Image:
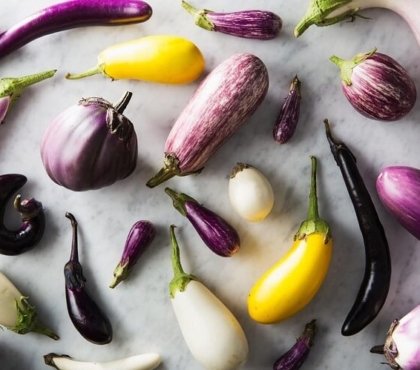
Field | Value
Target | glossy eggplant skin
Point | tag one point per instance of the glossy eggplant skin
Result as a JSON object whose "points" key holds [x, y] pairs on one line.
{"points": [[31, 229], [72, 14], [87, 317]]}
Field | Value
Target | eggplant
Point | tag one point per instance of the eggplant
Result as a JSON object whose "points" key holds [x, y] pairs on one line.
{"points": [[31, 229], [225, 99], [72, 14], [85, 314]]}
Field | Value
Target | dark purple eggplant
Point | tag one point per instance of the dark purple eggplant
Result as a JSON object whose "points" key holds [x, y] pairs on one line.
{"points": [[215, 232], [294, 358], [72, 14], [251, 24], [139, 238], [85, 314], [288, 117], [31, 230]]}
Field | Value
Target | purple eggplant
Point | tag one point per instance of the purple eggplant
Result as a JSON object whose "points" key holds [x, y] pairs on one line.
{"points": [[221, 105], [251, 24], [31, 230], [399, 190], [288, 117], [139, 238], [215, 232], [294, 358], [72, 14], [85, 314], [12, 87], [377, 86]]}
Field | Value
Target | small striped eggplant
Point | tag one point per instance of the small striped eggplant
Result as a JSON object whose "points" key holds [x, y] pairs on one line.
{"points": [[288, 117], [139, 238], [225, 99], [12, 87], [251, 24], [70, 14], [398, 188], [294, 358], [215, 232], [377, 86]]}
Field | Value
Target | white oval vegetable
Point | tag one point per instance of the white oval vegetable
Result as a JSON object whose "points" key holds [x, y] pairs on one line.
{"points": [[147, 361], [250, 193], [212, 333]]}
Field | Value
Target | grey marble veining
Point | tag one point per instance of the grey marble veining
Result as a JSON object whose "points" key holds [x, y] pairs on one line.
{"points": [[139, 309]]}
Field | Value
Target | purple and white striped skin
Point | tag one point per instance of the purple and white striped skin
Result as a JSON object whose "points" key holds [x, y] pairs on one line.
{"points": [[223, 102], [139, 238], [288, 117], [215, 232], [90, 145], [377, 86], [398, 188], [4, 107], [72, 14], [294, 358], [251, 24]]}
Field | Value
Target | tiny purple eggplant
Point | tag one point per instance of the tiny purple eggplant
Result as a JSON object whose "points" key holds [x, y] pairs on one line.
{"points": [[288, 117], [294, 358], [215, 232], [377, 86], [398, 188], [139, 238], [251, 24], [12, 87]]}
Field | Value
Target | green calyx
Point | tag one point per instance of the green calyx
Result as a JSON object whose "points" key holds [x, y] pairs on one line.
{"points": [[121, 273], [181, 279], [170, 169], [347, 66], [313, 223], [319, 12], [178, 200], [200, 17]]}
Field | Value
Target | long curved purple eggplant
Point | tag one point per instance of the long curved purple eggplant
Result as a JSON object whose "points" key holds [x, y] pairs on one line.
{"points": [[215, 232], [87, 317], [31, 230], [72, 14]]}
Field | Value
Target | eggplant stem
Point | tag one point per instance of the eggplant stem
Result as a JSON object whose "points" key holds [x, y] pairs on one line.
{"points": [[90, 72], [178, 200], [74, 256], [296, 84], [122, 104], [200, 17], [313, 199], [379, 350], [22, 82], [40, 329]]}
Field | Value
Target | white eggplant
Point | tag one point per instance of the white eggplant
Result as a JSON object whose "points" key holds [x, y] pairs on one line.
{"points": [[250, 193], [147, 361], [211, 332]]}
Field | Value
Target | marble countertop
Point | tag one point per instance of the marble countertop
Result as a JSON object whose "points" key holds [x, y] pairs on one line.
{"points": [[140, 309]]}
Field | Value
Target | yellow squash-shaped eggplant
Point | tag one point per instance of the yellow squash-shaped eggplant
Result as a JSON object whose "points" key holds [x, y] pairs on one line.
{"points": [[162, 58], [289, 285]]}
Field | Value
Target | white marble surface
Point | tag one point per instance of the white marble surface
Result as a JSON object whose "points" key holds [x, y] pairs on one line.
{"points": [[140, 310]]}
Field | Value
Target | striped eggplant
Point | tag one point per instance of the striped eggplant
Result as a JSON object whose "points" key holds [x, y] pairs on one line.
{"points": [[225, 99], [377, 86]]}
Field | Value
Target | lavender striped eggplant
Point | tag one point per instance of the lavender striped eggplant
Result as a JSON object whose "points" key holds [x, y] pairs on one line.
{"points": [[251, 24], [294, 358], [139, 238], [288, 117], [377, 86], [215, 232], [225, 99], [72, 14]]}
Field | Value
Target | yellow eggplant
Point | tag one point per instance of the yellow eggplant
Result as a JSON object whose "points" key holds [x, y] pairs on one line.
{"points": [[289, 285], [161, 58]]}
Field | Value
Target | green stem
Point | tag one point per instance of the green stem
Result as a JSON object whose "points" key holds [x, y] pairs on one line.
{"points": [[40, 329], [295, 85], [90, 72], [313, 199], [120, 107], [178, 200], [200, 17], [120, 274], [170, 169]]}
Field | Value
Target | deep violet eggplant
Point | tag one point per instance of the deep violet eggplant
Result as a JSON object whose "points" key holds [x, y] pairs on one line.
{"points": [[12, 87], [294, 358], [215, 232], [288, 117], [225, 99], [85, 314], [31, 229], [72, 14], [398, 188], [251, 24], [377, 86], [139, 238]]}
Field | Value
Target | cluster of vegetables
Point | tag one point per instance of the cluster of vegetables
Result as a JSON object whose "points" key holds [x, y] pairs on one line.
{"points": [[93, 144]]}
